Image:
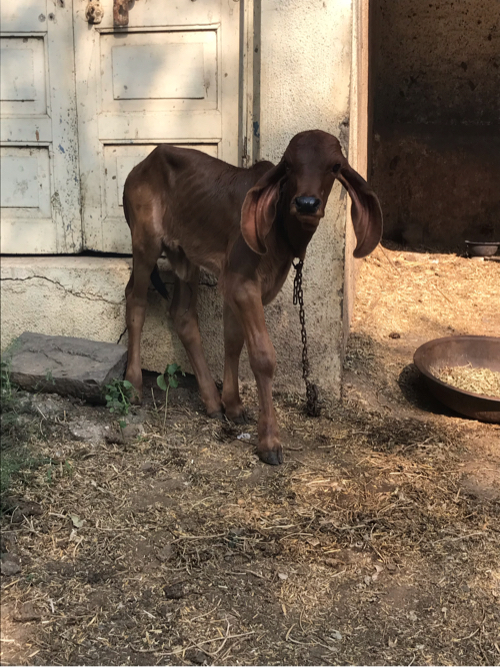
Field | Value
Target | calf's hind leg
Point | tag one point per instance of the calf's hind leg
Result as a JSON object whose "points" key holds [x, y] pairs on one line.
{"points": [[185, 318], [136, 300]]}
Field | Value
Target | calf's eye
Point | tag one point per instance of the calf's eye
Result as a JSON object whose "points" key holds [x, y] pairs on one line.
{"points": [[336, 167]]}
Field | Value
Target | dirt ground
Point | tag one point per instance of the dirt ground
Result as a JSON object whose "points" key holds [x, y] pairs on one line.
{"points": [[377, 542]]}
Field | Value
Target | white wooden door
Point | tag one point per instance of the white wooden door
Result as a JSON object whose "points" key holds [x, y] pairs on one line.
{"points": [[171, 75], [40, 208]]}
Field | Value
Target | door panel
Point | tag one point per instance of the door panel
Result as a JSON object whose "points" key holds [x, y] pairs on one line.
{"points": [[161, 71], [171, 76], [23, 15], [22, 87], [39, 152], [27, 224], [119, 161], [24, 178]]}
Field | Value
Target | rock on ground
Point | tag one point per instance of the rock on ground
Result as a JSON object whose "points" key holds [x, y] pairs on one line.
{"points": [[65, 365]]}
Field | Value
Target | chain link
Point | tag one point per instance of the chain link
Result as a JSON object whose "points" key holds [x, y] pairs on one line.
{"points": [[312, 406]]}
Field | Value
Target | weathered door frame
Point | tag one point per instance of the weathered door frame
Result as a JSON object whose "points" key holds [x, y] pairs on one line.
{"points": [[44, 131], [249, 133]]}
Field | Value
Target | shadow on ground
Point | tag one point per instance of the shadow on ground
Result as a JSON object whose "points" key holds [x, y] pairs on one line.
{"points": [[377, 542]]}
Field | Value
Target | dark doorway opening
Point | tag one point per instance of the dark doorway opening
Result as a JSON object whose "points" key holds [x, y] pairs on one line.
{"points": [[435, 153]]}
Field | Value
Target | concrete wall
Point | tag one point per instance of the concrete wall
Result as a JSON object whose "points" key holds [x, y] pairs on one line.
{"points": [[436, 150], [305, 83]]}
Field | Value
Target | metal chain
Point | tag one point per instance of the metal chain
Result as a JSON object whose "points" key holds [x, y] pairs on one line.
{"points": [[312, 406]]}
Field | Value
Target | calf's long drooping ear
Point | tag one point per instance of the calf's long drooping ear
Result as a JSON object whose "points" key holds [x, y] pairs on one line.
{"points": [[366, 213], [259, 208]]}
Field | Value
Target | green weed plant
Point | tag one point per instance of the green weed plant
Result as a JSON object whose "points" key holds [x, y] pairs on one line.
{"points": [[118, 396], [169, 380]]}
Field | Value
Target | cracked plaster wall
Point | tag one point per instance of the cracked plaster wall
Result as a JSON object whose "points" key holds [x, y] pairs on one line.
{"points": [[85, 297], [62, 296]]}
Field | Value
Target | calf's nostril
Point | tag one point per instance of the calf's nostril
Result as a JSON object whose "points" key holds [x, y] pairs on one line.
{"points": [[307, 204]]}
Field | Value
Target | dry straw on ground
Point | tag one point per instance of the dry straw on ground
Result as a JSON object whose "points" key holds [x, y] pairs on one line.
{"points": [[377, 542]]}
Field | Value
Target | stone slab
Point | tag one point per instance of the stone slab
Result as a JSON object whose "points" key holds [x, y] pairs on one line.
{"points": [[65, 365]]}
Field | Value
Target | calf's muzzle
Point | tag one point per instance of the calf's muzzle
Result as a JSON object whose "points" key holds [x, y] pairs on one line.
{"points": [[307, 205]]}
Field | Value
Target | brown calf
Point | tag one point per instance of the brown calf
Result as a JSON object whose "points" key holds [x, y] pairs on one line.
{"points": [[245, 226]]}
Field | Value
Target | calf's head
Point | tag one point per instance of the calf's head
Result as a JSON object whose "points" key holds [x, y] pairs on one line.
{"points": [[300, 186]]}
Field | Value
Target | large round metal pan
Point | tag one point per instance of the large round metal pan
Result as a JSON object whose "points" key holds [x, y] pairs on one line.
{"points": [[479, 352]]}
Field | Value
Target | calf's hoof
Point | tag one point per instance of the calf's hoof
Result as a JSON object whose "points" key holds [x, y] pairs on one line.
{"points": [[217, 414], [136, 397], [235, 412], [239, 418], [134, 379], [273, 457]]}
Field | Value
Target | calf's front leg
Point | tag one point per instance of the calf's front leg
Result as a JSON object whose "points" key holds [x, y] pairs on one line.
{"points": [[234, 339], [245, 300]]}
